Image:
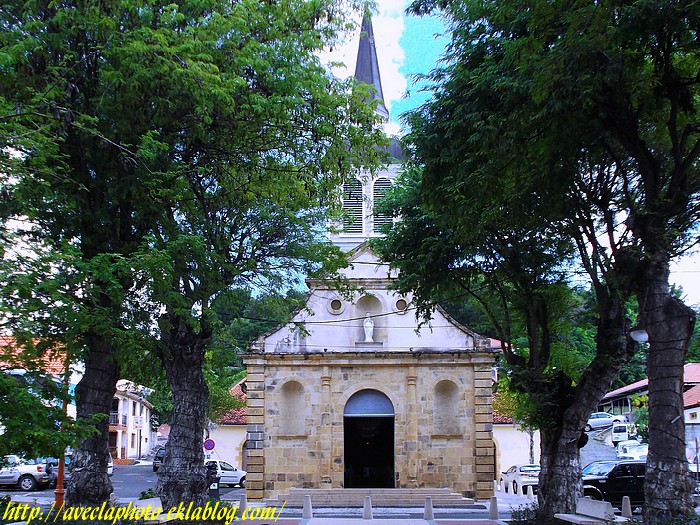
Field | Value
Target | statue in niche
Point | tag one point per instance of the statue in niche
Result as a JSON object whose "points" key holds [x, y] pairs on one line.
{"points": [[368, 325]]}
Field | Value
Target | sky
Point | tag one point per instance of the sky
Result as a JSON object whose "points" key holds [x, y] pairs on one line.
{"points": [[408, 45]]}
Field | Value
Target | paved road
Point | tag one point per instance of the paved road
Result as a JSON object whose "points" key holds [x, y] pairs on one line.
{"points": [[129, 481], [598, 448]]}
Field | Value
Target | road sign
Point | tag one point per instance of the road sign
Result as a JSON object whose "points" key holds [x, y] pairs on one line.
{"points": [[209, 444]]}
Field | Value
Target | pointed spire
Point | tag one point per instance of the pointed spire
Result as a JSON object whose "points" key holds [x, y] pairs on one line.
{"points": [[367, 66]]}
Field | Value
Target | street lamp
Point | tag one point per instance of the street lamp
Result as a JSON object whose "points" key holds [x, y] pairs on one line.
{"points": [[639, 334]]}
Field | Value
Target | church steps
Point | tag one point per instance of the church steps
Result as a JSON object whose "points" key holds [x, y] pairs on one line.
{"points": [[380, 497]]}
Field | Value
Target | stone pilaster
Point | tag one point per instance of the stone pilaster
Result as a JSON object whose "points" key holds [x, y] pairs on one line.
{"points": [[411, 444], [483, 424], [255, 406], [326, 429]]}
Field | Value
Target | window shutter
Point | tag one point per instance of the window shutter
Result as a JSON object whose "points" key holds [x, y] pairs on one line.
{"points": [[381, 187], [352, 206]]}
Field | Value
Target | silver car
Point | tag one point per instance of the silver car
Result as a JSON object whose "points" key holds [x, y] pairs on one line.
{"points": [[603, 419], [229, 474], [27, 474]]}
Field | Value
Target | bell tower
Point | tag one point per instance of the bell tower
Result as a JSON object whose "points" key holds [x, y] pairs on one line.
{"points": [[361, 221]]}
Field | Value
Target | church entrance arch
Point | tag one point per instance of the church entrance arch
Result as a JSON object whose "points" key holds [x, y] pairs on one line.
{"points": [[368, 427]]}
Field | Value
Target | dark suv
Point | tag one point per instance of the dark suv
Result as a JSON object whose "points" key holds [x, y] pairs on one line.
{"points": [[612, 480], [158, 458]]}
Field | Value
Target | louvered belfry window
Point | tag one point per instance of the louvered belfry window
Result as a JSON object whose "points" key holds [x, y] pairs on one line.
{"points": [[381, 187], [352, 206]]}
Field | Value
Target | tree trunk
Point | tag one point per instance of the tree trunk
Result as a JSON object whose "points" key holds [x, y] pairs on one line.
{"points": [[669, 324], [182, 476], [560, 478], [89, 484]]}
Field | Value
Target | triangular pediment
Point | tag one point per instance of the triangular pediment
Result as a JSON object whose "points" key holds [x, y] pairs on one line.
{"points": [[337, 323]]}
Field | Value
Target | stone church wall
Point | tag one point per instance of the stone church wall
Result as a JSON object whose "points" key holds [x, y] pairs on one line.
{"points": [[442, 423]]}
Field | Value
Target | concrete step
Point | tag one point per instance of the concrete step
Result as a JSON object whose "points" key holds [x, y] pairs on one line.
{"points": [[380, 497]]}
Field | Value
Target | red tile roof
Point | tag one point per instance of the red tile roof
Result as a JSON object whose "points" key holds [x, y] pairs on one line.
{"points": [[691, 398], [236, 416], [692, 373], [691, 376], [501, 419], [11, 356]]}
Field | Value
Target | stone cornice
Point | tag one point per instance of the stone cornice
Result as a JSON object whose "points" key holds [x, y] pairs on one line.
{"points": [[370, 359]]}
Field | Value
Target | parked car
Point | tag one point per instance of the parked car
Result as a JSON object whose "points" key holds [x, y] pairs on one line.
{"points": [[638, 452], [612, 480], [519, 476], [229, 474], [158, 459], [27, 474], [603, 419], [622, 446]]}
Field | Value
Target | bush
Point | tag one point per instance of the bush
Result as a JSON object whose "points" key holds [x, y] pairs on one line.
{"points": [[526, 514], [4, 503], [148, 494]]}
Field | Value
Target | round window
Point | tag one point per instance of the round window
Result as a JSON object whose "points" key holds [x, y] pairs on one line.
{"points": [[336, 306], [401, 305]]}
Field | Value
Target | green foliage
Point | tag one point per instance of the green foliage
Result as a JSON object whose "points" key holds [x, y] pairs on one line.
{"points": [[555, 122], [241, 318], [157, 154], [31, 409], [526, 514], [245, 317], [5, 502], [694, 347], [640, 415], [688, 519], [31, 415], [148, 494]]}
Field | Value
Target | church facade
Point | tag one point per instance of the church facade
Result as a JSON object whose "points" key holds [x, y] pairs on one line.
{"points": [[354, 392]]}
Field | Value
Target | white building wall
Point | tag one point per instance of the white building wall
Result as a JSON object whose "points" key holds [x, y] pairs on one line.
{"points": [[513, 446], [229, 441]]}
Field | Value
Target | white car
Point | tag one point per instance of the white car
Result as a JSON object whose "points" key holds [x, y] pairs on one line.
{"points": [[621, 448], [229, 474], [519, 476], [603, 419], [27, 474], [638, 452]]}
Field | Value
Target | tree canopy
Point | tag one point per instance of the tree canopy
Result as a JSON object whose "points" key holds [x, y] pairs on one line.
{"points": [[158, 154], [571, 122]]}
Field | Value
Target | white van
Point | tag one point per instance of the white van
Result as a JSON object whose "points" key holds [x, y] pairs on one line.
{"points": [[620, 432]]}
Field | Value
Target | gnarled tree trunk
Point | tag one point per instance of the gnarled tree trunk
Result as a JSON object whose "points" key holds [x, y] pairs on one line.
{"points": [[182, 476], [89, 483], [560, 477], [669, 324]]}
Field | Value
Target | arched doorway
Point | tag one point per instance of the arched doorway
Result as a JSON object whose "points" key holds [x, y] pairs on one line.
{"points": [[368, 422]]}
